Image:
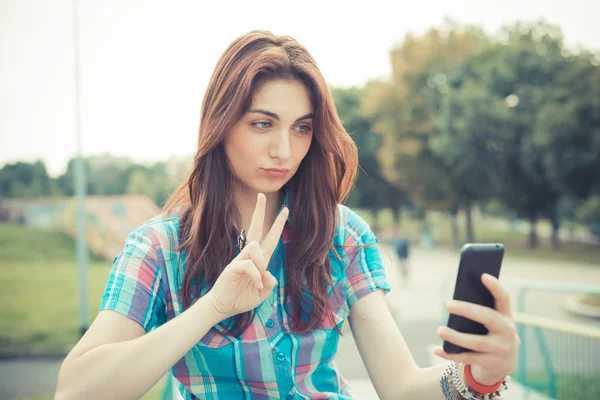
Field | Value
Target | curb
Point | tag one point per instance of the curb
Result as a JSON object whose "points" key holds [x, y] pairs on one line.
{"points": [[50, 355]]}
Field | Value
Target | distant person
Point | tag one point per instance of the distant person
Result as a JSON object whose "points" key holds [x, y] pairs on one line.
{"points": [[242, 285], [401, 245]]}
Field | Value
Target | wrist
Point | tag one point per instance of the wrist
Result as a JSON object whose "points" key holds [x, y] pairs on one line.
{"points": [[482, 377], [207, 305]]}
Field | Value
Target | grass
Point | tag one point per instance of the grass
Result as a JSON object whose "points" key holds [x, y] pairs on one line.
{"points": [[570, 386], [20, 243], [39, 304]]}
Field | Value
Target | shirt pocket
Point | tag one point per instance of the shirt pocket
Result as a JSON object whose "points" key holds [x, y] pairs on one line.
{"points": [[338, 306], [214, 355]]}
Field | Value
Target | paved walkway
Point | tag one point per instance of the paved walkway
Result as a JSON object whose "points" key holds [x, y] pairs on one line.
{"points": [[417, 306]]}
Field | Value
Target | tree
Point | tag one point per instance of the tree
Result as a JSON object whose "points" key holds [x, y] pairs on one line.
{"points": [[139, 184], [405, 115], [372, 190], [23, 179], [469, 125], [546, 125]]}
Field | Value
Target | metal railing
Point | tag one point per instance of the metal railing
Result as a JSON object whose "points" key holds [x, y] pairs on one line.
{"points": [[569, 352], [558, 358]]}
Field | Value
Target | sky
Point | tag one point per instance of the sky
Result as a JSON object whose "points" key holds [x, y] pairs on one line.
{"points": [[144, 64]]}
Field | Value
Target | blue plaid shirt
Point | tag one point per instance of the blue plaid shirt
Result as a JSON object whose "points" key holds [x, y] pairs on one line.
{"points": [[268, 360]]}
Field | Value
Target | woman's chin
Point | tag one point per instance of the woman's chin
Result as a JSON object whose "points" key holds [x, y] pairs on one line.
{"points": [[270, 186]]}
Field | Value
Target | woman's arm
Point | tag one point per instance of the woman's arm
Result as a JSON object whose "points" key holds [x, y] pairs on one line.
{"points": [[391, 366], [117, 359]]}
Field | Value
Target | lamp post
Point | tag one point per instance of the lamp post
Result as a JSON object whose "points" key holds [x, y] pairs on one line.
{"points": [[80, 185]]}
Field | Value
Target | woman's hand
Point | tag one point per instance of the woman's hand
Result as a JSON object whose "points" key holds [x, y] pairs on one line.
{"points": [[494, 355], [245, 282]]}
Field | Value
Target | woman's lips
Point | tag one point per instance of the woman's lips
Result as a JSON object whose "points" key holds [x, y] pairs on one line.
{"points": [[276, 172]]}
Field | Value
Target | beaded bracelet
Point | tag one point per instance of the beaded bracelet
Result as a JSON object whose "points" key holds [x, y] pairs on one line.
{"points": [[451, 380], [446, 389]]}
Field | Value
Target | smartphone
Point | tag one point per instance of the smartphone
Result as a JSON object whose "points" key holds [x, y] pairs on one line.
{"points": [[475, 260]]}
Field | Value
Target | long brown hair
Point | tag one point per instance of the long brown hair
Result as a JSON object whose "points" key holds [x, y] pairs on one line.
{"points": [[209, 214]]}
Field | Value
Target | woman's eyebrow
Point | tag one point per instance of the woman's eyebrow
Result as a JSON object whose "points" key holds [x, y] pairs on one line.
{"points": [[273, 115]]}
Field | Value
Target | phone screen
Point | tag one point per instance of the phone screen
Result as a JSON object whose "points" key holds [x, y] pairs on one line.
{"points": [[475, 260]]}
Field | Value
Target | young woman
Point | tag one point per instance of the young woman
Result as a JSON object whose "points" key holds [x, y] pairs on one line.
{"points": [[241, 286]]}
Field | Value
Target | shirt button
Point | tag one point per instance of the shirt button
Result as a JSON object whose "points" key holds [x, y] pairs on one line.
{"points": [[270, 324], [280, 357]]}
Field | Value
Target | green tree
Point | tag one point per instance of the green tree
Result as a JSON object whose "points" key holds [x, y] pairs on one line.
{"points": [[23, 179], [371, 191], [545, 130], [405, 115], [466, 145]]}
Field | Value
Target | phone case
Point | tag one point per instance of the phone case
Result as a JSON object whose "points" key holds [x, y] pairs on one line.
{"points": [[475, 260]]}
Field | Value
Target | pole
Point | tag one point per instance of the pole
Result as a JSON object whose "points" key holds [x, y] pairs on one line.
{"points": [[80, 185]]}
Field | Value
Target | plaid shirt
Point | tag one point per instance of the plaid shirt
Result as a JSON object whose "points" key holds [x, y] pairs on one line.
{"points": [[267, 361]]}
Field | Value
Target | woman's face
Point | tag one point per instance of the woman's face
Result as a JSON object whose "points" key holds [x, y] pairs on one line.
{"points": [[266, 146]]}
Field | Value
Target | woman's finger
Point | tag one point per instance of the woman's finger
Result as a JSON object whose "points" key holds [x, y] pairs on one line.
{"points": [[247, 267], [269, 282], [258, 219], [490, 318], [255, 253], [272, 238], [500, 294], [250, 248], [478, 343], [469, 357]]}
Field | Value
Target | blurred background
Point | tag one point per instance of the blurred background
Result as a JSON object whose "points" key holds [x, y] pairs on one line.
{"points": [[475, 122]]}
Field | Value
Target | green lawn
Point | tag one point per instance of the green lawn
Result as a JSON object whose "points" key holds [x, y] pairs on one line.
{"points": [[40, 281], [19, 243], [39, 304], [570, 386]]}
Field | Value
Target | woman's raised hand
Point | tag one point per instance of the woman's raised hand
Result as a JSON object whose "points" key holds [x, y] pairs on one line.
{"points": [[245, 282]]}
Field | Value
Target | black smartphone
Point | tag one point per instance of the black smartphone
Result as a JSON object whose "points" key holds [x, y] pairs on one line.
{"points": [[475, 260]]}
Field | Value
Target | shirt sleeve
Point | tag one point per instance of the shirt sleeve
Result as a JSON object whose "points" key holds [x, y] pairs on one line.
{"points": [[365, 271], [134, 286]]}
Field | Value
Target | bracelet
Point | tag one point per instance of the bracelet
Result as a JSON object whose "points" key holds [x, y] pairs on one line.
{"points": [[478, 387], [446, 389], [453, 387]]}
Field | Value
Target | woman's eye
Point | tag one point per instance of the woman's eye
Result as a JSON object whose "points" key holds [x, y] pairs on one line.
{"points": [[262, 125], [303, 128]]}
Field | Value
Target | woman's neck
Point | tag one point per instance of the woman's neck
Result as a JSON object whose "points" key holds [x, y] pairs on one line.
{"points": [[246, 203]]}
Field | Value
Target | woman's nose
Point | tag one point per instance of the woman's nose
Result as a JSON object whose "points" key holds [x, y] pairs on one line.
{"points": [[281, 147]]}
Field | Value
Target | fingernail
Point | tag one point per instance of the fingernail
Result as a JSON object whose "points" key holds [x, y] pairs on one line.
{"points": [[451, 303]]}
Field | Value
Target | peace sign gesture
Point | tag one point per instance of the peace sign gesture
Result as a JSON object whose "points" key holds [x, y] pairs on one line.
{"points": [[245, 282]]}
